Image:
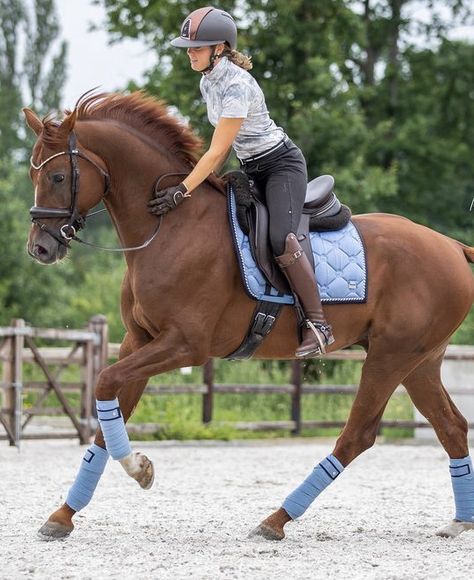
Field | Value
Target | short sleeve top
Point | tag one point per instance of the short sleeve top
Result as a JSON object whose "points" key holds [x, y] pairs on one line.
{"points": [[231, 92]]}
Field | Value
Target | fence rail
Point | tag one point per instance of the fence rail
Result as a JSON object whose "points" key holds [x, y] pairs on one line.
{"points": [[87, 348], [90, 350]]}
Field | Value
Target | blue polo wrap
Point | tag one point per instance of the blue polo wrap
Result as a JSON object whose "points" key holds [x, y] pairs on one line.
{"points": [[113, 428], [462, 479], [92, 467], [303, 496]]}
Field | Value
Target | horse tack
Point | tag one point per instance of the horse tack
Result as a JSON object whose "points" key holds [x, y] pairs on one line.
{"points": [[76, 222], [184, 302], [68, 231]]}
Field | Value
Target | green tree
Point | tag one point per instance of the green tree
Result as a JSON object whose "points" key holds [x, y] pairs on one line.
{"points": [[30, 29], [36, 79], [11, 13], [433, 139], [412, 82]]}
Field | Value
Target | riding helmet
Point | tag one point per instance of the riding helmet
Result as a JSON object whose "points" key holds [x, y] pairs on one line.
{"points": [[207, 26]]}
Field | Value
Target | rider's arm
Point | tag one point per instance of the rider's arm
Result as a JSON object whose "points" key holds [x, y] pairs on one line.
{"points": [[224, 134]]}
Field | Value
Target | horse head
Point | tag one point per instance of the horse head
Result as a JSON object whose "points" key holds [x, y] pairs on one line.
{"points": [[68, 179]]}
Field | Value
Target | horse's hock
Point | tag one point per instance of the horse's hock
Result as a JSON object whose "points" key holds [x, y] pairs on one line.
{"points": [[457, 375], [21, 344]]}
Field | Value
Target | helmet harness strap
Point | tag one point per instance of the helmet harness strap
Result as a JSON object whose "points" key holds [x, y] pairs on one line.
{"points": [[212, 61]]}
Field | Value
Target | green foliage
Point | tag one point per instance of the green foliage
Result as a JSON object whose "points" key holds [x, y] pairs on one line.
{"points": [[432, 139], [180, 415], [32, 68]]}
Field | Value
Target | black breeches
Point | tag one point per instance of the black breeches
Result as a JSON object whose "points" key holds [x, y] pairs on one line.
{"points": [[282, 177]]}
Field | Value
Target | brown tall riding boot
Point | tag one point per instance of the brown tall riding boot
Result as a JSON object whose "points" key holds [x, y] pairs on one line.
{"points": [[317, 334]]}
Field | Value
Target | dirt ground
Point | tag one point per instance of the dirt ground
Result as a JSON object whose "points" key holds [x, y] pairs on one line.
{"points": [[377, 521]]}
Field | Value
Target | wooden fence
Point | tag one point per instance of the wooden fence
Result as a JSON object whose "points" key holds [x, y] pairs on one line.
{"points": [[296, 388], [90, 350], [19, 345]]}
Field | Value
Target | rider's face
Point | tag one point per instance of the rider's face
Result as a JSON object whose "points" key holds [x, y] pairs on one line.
{"points": [[199, 57]]}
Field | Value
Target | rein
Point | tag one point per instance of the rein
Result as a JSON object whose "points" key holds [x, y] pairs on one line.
{"points": [[68, 232]]}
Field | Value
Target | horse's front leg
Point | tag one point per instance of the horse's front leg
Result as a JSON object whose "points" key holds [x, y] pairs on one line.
{"points": [[129, 377], [169, 351], [60, 524]]}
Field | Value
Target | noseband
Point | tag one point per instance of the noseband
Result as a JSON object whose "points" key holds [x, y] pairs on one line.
{"points": [[76, 221]]}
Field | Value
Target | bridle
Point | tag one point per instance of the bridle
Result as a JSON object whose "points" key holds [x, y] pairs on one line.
{"points": [[76, 221]]}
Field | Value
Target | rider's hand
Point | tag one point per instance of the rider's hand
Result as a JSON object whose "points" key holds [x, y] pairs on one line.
{"points": [[167, 199]]}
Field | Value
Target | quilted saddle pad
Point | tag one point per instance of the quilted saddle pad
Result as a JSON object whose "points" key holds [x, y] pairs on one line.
{"points": [[339, 258]]}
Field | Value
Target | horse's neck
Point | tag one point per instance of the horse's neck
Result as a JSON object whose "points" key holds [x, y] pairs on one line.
{"points": [[134, 167]]}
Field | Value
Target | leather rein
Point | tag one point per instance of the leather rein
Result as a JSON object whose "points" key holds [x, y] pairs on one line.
{"points": [[76, 221]]}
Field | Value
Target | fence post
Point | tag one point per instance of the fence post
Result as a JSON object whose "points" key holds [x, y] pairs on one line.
{"points": [[207, 398], [95, 359], [296, 396], [13, 381], [7, 379], [18, 380]]}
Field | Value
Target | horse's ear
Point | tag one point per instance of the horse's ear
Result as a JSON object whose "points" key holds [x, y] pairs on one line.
{"points": [[68, 124], [33, 122]]}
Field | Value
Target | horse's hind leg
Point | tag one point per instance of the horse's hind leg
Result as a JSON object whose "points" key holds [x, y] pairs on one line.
{"points": [[381, 374], [432, 400]]}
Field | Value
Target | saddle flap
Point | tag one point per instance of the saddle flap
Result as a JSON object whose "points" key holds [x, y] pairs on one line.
{"points": [[260, 246]]}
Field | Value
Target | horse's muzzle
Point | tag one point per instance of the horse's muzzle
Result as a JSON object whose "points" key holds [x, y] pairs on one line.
{"points": [[44, 248]]}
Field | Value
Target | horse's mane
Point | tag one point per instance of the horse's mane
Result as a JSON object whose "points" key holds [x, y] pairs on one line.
{"points": [[143, 114]]}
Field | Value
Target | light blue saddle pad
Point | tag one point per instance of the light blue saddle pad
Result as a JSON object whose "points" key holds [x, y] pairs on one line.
{"points": [[339, 256]]}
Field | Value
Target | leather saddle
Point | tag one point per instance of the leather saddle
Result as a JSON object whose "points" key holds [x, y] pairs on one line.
{"points": [[322, 212]]}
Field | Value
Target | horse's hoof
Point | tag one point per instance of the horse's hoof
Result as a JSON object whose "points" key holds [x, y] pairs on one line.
{"points": [[140, 468], [454, 528], [54, 531], [146, 477], [267, 532]]}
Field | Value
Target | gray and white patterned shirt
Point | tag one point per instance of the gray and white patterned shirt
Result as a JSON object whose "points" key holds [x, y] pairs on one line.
{"points": [[231, 92]]}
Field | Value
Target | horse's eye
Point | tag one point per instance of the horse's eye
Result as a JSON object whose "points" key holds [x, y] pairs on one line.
{"points": [[58, 177]]}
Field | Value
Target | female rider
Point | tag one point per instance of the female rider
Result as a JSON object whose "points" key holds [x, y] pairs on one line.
{"points": [[236, 108]]}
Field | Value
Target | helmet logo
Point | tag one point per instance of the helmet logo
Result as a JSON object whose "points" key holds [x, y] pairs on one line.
{"points": [[186, 28]]}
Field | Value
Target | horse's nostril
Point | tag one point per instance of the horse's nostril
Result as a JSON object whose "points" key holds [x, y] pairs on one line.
{"points": [[39, 250]]}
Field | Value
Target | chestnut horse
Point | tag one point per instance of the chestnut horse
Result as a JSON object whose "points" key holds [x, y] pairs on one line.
{"points": [[182, 297]]}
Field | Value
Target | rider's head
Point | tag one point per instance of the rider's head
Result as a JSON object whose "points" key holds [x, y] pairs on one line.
{"points": [[208, 33]]}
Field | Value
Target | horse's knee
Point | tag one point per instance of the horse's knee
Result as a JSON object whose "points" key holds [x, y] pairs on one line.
{"points": [[108, 384]]}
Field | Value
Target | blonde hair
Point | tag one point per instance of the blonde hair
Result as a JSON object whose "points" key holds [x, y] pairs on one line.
{"points": [[238, 58]]}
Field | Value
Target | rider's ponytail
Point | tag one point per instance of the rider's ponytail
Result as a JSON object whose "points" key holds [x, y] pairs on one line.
{"points": [[238, 58]]}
